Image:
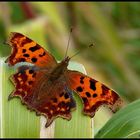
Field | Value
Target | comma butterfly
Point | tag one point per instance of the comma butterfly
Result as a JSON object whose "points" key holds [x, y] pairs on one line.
{"points": [[47, 86]]}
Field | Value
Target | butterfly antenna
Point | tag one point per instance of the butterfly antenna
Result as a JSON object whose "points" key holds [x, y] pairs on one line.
{"points": [[68, 42], [90, 46]]}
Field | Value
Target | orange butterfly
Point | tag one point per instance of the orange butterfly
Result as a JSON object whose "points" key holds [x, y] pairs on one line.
{"points": [[47, 86]]}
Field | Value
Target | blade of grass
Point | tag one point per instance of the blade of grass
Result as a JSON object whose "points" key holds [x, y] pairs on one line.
{"points": [[124, 124], [52, 12], [1, 130]]}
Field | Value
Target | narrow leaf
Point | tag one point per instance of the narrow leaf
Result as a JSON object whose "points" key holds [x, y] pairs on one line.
{"points": [[124, 124]]}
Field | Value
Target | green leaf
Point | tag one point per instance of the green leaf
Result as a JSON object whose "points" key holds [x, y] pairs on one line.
{"points": [[51, 11], [124, 124]]}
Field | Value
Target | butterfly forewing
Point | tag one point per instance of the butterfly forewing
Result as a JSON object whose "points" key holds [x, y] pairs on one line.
{"points": [[26, 50]]}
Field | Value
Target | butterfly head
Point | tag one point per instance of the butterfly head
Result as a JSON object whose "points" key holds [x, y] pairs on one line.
{"points": [[65, 61], [64, 64]]}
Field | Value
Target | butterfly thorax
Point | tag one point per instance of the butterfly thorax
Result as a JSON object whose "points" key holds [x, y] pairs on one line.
{"points": [[59, 69]]}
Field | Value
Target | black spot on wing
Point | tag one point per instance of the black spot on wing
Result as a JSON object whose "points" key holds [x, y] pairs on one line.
{"points": [[26, 55], [79, 89], [33, 49], [84, 99], [31, 71], [72, 103], [82, 80], [92, 84], [24, 50], [30, 82], [88, 94], [94, 95], [41, 55], [34, 59], [66, 95]]}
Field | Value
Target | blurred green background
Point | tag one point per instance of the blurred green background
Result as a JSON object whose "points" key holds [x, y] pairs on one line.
{"points": [[114, 28]]}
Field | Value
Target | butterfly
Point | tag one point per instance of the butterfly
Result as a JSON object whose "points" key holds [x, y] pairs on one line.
{"points": [[47, 86]]}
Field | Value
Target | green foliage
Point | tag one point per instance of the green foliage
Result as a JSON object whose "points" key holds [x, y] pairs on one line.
{"points": [[124, 124]]}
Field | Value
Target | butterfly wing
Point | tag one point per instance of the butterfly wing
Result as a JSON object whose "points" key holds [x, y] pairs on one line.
{"points": [[92, 92], [38, 93], [26, 50], [25, 80], [60, 104]]}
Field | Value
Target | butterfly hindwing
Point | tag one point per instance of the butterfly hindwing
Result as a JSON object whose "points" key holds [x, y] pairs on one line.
{"points": [[32, 86], [26, 50], [92, 92], [25, 80], [60, 104]]}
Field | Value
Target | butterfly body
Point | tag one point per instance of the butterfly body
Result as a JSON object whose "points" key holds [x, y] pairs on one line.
{"points": [[47, 86], [60, 69]]}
